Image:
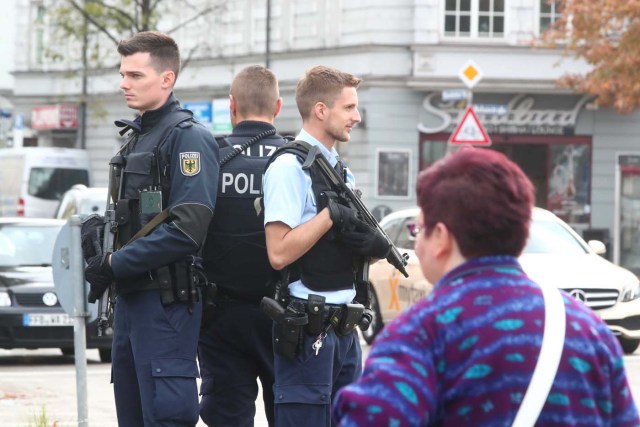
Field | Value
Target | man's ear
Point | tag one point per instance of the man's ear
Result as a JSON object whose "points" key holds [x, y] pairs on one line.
{"points": [[278, 108], [232, 106], [168, 79], [320, 110]]}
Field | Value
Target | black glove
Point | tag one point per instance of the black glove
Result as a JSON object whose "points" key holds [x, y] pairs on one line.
{"points": [[343, 217], [366, 241], [92, 233], [99, 275]]}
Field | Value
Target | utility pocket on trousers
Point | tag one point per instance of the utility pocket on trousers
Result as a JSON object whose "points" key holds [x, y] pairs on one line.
{"points": [[176, 393]]}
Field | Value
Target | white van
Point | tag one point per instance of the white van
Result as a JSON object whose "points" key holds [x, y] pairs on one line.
{"points": [[33, 179]]}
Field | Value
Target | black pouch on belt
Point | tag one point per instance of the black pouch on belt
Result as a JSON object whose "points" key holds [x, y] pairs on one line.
{"points": [[289, 334], [351, 314], [315, 311]]}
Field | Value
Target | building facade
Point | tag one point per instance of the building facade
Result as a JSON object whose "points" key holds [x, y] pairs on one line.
{"points": [[584, 161]]}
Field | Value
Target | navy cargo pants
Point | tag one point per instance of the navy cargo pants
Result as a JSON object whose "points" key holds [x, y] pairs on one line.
{"points": [[306, 385], [154, 367]]}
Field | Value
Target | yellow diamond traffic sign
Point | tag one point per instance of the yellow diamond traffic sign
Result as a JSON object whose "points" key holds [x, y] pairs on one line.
{"points": [[470, 74]]}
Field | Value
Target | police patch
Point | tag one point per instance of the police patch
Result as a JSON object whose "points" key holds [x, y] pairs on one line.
{"points": [[190, 163]]}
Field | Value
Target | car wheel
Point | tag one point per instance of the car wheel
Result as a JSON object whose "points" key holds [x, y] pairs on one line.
{"points": [[376, 321], [105, 355], [629, 345], [67, 351]]}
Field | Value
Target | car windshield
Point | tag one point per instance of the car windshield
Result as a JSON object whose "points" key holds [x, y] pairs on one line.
{"points": [[551, 237], [27, 244]]}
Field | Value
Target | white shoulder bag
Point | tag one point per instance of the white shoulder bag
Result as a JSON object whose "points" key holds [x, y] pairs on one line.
{"points": [[548, 360]]}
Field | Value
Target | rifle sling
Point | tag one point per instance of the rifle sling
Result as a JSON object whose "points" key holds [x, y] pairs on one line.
{"points": [[155, 221]]}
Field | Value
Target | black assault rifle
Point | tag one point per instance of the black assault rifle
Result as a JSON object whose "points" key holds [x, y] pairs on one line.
{"points": [[110, 226], [343, 191]]}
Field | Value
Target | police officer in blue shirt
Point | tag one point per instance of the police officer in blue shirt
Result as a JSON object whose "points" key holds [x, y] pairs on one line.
{"points": [[235, 345], [166, 168], [314, 238]]}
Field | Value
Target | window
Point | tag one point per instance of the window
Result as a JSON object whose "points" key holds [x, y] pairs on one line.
{"points": [[474, 18], [549, 13], [51, 183]]}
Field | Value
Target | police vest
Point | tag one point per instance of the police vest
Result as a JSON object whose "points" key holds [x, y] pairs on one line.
{"points": [[235, 252], [144, 170], [329, 264]]}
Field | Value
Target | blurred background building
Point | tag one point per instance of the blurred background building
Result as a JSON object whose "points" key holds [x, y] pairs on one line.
{"points": [[583, 160]]}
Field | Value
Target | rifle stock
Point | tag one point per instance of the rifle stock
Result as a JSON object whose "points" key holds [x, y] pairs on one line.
{"points": [[396, 259]]}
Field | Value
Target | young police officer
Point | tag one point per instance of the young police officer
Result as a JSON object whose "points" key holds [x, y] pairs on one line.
{"points": [[306, 226], [157, 312], [235, 344]]}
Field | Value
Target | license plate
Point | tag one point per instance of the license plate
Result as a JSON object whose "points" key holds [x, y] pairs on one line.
{"points": [[61, 319]]}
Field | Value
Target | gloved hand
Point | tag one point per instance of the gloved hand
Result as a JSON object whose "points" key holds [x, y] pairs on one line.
{"points": [[343, 217], [99, 275], [91, 235], [366, 241]]}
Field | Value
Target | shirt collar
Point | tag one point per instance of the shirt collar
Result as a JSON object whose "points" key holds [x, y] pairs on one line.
{"points": [[332, 155]]}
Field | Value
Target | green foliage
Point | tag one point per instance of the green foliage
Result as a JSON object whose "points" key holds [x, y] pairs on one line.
{"points": [[39, 420]]}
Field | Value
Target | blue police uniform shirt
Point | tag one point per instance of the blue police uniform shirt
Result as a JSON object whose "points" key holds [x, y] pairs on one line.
{"points": [[288, 198]]}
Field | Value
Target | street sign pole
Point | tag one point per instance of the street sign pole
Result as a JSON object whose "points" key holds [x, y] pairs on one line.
{"points": [[469, 130], [79, 314]]}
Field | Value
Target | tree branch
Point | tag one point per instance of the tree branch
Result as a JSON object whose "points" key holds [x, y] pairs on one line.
{"points": [[193, 18], [92, 21]]}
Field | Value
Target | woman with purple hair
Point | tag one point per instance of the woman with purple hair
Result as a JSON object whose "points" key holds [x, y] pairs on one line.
{"points": [[488, 347]]}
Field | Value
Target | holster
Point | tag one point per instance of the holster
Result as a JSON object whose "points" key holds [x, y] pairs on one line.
{"points": [[288, 334]]}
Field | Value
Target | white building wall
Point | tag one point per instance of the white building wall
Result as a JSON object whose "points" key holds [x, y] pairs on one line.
{"points": [[397, 47]]}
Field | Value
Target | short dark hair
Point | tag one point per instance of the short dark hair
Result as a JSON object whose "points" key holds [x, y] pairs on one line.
{"points": [[255, 89], [162, 49], [483, 198], [322, 84]]}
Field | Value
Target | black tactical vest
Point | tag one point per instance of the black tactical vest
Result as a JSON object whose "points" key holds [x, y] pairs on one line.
{"points": [[329, 264], [143, 170], [235, 253]]}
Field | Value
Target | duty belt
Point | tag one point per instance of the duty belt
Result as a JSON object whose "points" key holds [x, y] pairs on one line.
{"points": [[300, 305]]}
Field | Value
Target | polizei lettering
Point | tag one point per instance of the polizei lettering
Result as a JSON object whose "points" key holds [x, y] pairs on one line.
{"points": [[241, 184]]}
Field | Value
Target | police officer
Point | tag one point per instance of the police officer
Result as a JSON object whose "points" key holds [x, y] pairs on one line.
{"points": [[235, 345], [170, 165], [316, 239]]}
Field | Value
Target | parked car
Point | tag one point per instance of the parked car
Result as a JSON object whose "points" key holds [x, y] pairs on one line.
{"points": [[82, 200], [30, 314], [554, 254]]}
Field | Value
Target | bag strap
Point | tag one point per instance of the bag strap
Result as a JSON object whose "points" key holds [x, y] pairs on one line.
{"points": [[548, 359]]}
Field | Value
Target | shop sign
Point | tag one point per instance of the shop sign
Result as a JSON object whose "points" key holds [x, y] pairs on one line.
{"points": [[520, 117], [57, 116]]}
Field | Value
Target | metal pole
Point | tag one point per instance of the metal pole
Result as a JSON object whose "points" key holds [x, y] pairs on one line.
{"points": [[83, 99], [268, 37], [79, 314]]}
